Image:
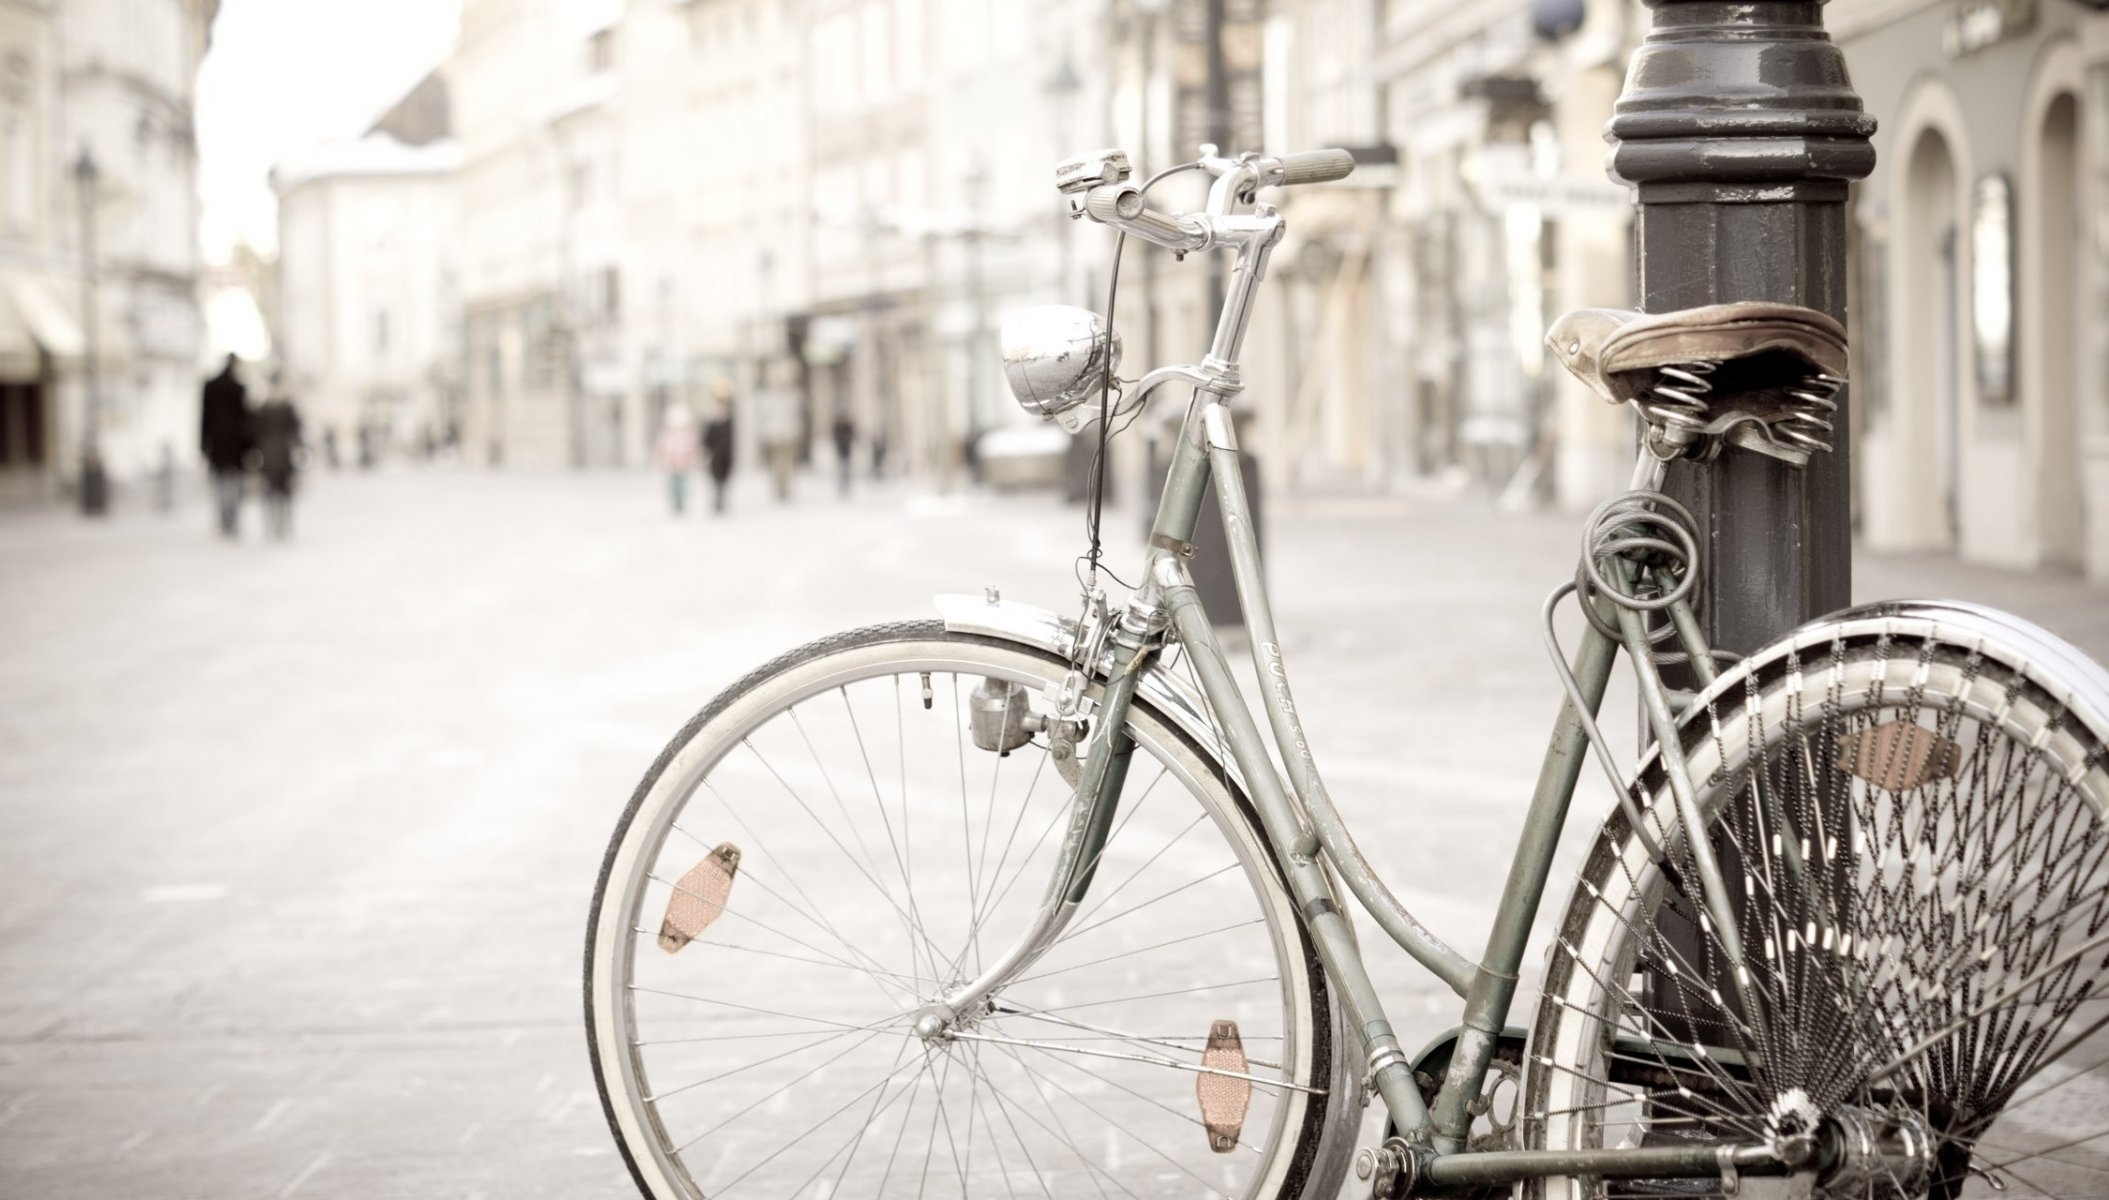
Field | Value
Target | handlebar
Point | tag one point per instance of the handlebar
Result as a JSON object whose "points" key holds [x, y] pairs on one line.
{"points": [[1098, 187]]}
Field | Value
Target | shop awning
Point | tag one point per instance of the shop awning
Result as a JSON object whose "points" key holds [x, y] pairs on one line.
{"points": [[18, 346], [42, 308]]}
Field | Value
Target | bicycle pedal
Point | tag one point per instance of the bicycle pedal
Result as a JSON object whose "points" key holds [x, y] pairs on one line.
{"points": [[1224, 1098], [1898, 756], [699, 898]]}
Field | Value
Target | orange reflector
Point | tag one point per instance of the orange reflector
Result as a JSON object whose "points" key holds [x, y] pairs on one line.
{"points": [[699, 898], [1898, 755], [1224, 1098]]}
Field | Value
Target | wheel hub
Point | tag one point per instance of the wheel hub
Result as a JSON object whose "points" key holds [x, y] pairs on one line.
{"points": [[1869, 1153]]}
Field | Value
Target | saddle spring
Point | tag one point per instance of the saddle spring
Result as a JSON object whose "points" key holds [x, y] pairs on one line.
{"points": [[1812, 404], [1678, 399]]}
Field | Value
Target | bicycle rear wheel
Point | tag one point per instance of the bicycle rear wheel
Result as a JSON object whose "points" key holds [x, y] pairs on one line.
{"points": [[823, 850], [1914, 842]]}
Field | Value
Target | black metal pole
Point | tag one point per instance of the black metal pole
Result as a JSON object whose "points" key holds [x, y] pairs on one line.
{"points": [[94, 478], [1219, 131], [1742, 132]]}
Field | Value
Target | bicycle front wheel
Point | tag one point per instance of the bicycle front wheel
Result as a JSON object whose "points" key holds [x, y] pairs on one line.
{"points": [[824, 850], [1916, 860]]}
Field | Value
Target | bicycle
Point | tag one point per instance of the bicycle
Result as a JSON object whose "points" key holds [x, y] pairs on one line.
{"points": [[853, 935]]}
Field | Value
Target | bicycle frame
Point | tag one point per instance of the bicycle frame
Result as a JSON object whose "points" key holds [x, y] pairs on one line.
{"points": [[1303, 829]]}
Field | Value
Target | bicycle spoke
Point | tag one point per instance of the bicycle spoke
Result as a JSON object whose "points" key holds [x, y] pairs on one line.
{"points": [[912, 919], [1099, 962], [1206, 987]]}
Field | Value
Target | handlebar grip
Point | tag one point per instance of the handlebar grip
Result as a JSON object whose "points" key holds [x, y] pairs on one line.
{"points": [[1316, 166]]}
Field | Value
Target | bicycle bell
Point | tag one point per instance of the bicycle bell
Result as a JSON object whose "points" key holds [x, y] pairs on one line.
{"points": [[1056, 358]]}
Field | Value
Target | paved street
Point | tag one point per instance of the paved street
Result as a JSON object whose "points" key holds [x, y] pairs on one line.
{"points": [[299, 839]]}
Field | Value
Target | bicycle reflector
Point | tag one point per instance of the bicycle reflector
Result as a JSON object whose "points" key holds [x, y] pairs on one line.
{"points": [[699, 898], [1898, 756], [1056, 358], [1221, 1088]]}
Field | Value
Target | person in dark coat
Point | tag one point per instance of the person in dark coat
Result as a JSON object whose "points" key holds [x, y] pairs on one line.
{"points": [[717, 445], [278, 447], [224, 437], [844, 433]]}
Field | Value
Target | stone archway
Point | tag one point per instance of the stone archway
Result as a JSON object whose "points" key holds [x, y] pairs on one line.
{"points": [[2054, 387], [1925, 361]]}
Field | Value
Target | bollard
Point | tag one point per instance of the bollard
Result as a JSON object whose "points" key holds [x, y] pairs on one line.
{"points": [[1741, 132]]}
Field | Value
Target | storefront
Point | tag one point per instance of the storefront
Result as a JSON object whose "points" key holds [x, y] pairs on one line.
{"points": [[1981, 324]]}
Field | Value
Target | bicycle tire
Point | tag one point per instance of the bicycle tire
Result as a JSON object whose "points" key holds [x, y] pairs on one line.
{"points": [[1911, 830], [1009, 1121]]}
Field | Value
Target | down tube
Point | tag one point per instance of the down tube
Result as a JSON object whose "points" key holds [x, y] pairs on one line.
{"points": [[1330, 932]]}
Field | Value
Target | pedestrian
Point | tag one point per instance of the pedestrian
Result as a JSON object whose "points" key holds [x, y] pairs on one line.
{"points": [[329, 446], [676, 452], [717, 444], [224, 434], [366, 446], [278, 452], [782, 431], [844, 432], [165, 478]]}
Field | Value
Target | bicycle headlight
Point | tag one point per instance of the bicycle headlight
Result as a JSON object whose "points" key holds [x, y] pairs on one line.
{"points": [[1056, 358]]}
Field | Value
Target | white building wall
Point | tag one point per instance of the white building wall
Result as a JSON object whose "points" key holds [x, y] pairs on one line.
{"points": [[122, 89], [369, 271], [507, 66]]}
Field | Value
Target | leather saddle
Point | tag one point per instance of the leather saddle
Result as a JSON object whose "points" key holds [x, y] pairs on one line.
{"points": [[1756, 365], [1617, 352]]}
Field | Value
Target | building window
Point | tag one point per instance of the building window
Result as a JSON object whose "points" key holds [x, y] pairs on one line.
{"points": [[600, 51]]}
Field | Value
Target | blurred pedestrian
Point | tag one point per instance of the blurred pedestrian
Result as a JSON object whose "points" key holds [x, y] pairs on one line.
{"points": [[717, 444], [165, 478], [278, 452], [329, 447], [782, 431], [676, 453], [366, 446], [224, 437], [844, 432]]}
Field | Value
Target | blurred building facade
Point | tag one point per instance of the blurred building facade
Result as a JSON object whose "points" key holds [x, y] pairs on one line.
{"points": [[834, 203], [1981, 332], [368, 239], [98, 174]]}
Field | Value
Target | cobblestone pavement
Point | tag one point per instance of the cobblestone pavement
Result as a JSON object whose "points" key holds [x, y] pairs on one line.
{"points": [[299, 838]]}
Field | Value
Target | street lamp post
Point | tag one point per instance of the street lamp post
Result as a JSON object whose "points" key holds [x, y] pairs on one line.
{"points": [[977, 287], [1742, 132], [94, 480]]}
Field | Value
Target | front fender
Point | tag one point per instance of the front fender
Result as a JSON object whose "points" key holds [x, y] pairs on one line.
{"points": [[1028, 625]]}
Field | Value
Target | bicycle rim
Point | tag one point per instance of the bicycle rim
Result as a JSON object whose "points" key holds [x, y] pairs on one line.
{"points": [[1918, 861], [767, 1049]]}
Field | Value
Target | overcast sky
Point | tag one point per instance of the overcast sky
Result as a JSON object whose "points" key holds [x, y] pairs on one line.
{"points": [[283, 75]]}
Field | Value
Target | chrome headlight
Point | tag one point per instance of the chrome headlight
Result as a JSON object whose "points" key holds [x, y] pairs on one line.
{"points": [[1056, 358]]}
